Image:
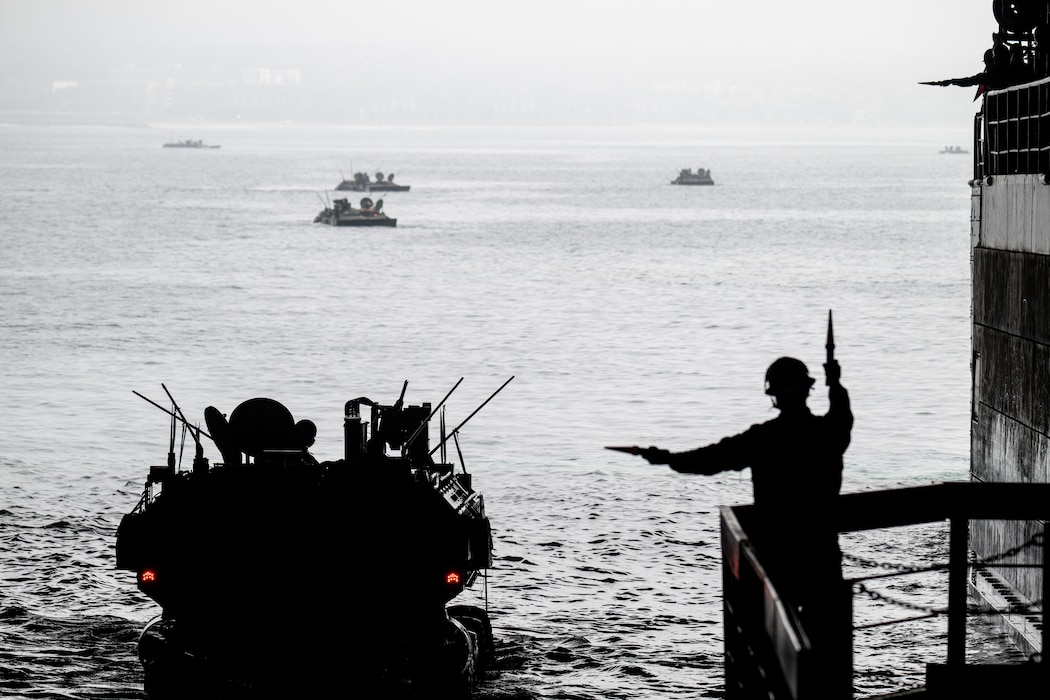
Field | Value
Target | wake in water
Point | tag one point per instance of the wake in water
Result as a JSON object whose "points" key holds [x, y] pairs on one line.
{"points": [[77, 657]]}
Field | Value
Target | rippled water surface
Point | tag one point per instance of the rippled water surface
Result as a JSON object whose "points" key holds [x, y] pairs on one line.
{"points": [[627, 311]]}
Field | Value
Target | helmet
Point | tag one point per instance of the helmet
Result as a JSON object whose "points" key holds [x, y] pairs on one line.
{"points": [[787, 375], [1041, 34]]}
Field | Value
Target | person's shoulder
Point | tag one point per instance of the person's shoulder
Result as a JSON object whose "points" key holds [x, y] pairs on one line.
{"points": [[751, 433]]}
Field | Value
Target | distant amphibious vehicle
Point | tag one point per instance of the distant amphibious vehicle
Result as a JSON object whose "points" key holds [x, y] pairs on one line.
{"points": [[277, 573], [362, 183], [686, 176], [342, 213], [189, 143]]}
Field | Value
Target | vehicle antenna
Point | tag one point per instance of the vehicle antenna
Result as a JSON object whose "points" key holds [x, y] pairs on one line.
{"points": [[171, 445], [173, 415], [462, 464], [442, 432], [182, 445], [422, 425], [182, 417], [456, 429], [322, 201]]}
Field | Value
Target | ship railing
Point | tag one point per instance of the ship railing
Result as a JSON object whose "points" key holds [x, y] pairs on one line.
{"points": [[767, 650], [1013, 131], [979, 156]]}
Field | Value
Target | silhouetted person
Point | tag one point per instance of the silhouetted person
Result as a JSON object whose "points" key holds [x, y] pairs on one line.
{"points": [[796, 474], [1040, 55], [306, 431], [1019, 69], [995, 76], [1000, 51]]}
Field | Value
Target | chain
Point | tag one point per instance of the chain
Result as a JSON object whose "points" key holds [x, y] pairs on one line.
{"points": [[1035, 606], [1037, 540], [872, 564], [875, 595]]}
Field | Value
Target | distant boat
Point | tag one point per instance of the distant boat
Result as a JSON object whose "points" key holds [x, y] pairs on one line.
{"points": [[189, 143], [954, 149], [363, 183], [341, 213], [686, 176]]}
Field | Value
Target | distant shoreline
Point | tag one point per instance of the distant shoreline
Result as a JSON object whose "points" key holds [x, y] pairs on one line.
{"points": [[725, 134]]}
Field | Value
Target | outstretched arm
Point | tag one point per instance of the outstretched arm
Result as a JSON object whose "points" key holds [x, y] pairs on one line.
{"points": [[731, 453], [654, 455], [721, 456], [962, 82]]}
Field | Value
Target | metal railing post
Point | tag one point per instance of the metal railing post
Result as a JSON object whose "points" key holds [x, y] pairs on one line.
{"points": [[958, 563], [1046, 593]]}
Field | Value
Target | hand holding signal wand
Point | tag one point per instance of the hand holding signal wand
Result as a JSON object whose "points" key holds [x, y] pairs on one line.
{"points": [[829, 345], [632, 450]]}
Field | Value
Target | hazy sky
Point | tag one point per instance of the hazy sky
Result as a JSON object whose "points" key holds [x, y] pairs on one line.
{"points": [[869, 53]]}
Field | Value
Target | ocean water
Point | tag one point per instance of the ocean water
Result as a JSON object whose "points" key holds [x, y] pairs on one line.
{"points": [[627, 311]]}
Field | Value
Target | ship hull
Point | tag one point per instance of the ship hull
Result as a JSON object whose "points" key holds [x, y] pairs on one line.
{"points": [[1010, 337], [359, 221], [347, 186]]}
